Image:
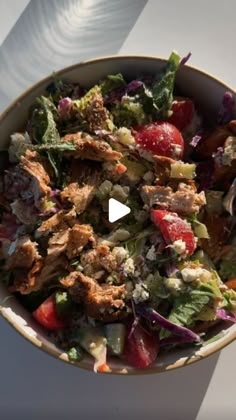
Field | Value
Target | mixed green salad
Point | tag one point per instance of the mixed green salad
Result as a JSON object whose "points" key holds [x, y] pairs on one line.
{"points": [[161, 276]]}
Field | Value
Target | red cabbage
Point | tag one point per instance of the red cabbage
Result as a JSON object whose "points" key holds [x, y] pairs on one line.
{"points": [[54, 192], [185, 59], [227, 109], [64, 107], [48, 212], [225, 315], [135, 84], [116, 95], [173, 340], [195, 140], [133, 326], [218, 156], [175, 329]]}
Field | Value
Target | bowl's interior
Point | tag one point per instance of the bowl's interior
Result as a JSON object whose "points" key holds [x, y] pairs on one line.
{"points": [[207, 93]]}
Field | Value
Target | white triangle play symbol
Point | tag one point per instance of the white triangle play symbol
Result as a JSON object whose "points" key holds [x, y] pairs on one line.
{"points": [[116, 210]]}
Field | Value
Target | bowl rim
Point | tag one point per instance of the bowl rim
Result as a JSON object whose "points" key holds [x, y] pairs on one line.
{"points": [[229, 338]]}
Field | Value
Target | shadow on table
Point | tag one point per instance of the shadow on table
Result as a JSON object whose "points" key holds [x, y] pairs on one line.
{"points": [[54, 34], [36, 386]]}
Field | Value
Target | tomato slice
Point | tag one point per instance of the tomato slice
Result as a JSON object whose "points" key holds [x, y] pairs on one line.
{"points": [[46, 315], [141, 348], [160, 138], [183, 110], [173, 228]]}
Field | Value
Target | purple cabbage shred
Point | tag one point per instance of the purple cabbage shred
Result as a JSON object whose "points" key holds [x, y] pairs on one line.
{"points": [[227, 109], [64, 107], [185, 59], [153, 316], [225, 315], [195, 140]]}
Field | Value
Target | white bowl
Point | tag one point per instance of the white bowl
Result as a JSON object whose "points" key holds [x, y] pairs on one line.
{"points": [[207, 92]]}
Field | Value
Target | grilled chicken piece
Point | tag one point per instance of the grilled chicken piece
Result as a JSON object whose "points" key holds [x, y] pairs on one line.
{"points": [[22, 254], [183, 201], [71, 241], [162, 168], [59, 221], [85, 178], [96, 115], [78, 238], [32, 164], [88, 147], [101, 301], [43, 271], [98, 259]]}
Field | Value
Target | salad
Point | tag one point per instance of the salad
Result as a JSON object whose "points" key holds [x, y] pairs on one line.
{"points": [[161, 276]]}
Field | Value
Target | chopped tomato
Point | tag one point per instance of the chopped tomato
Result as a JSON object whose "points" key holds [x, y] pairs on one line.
{"points": [[46, 315], [141, 348], [183, 110], [231, 284], [160, 138], [173, 228]]}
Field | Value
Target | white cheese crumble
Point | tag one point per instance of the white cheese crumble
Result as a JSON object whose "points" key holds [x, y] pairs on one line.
{"points": [[124, 136], [177, 150], [120, 254], [113, 238], [148, 177], [229, 151], [129, 267], [12, 247], [179, 246], [120, 193], [18, 145], [140, 294], [192, 274], [151, 254], [145, 154], [169, 218], [173, 284]]}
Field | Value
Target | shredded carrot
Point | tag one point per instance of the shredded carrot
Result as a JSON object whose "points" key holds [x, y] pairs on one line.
{"points": [[231, 284], [120, 168], [103, 368]]}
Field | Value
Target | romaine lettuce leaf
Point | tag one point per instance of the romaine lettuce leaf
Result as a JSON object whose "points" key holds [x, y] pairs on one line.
{"points": [[43, 127], [162, 90], [112, 82], [187, 307]]}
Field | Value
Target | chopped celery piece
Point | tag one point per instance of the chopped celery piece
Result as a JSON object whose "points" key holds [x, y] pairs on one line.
{"points": [[115, 334], [93, 341], [182, 170], [63, 304], [135, 170], [200, 230], [75, 354]]}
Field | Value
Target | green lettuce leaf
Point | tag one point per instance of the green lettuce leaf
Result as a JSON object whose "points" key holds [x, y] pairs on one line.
{"points": [[44, 129], [229, 302], [128, 114], [162, 90], [187, 307], [112, 82], [43, 121]]}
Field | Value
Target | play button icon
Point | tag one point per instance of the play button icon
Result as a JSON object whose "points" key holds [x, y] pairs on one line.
{"points": [[116, 210]]}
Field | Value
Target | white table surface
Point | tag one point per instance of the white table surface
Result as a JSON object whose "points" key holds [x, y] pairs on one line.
{"points": [[43, 36]]}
